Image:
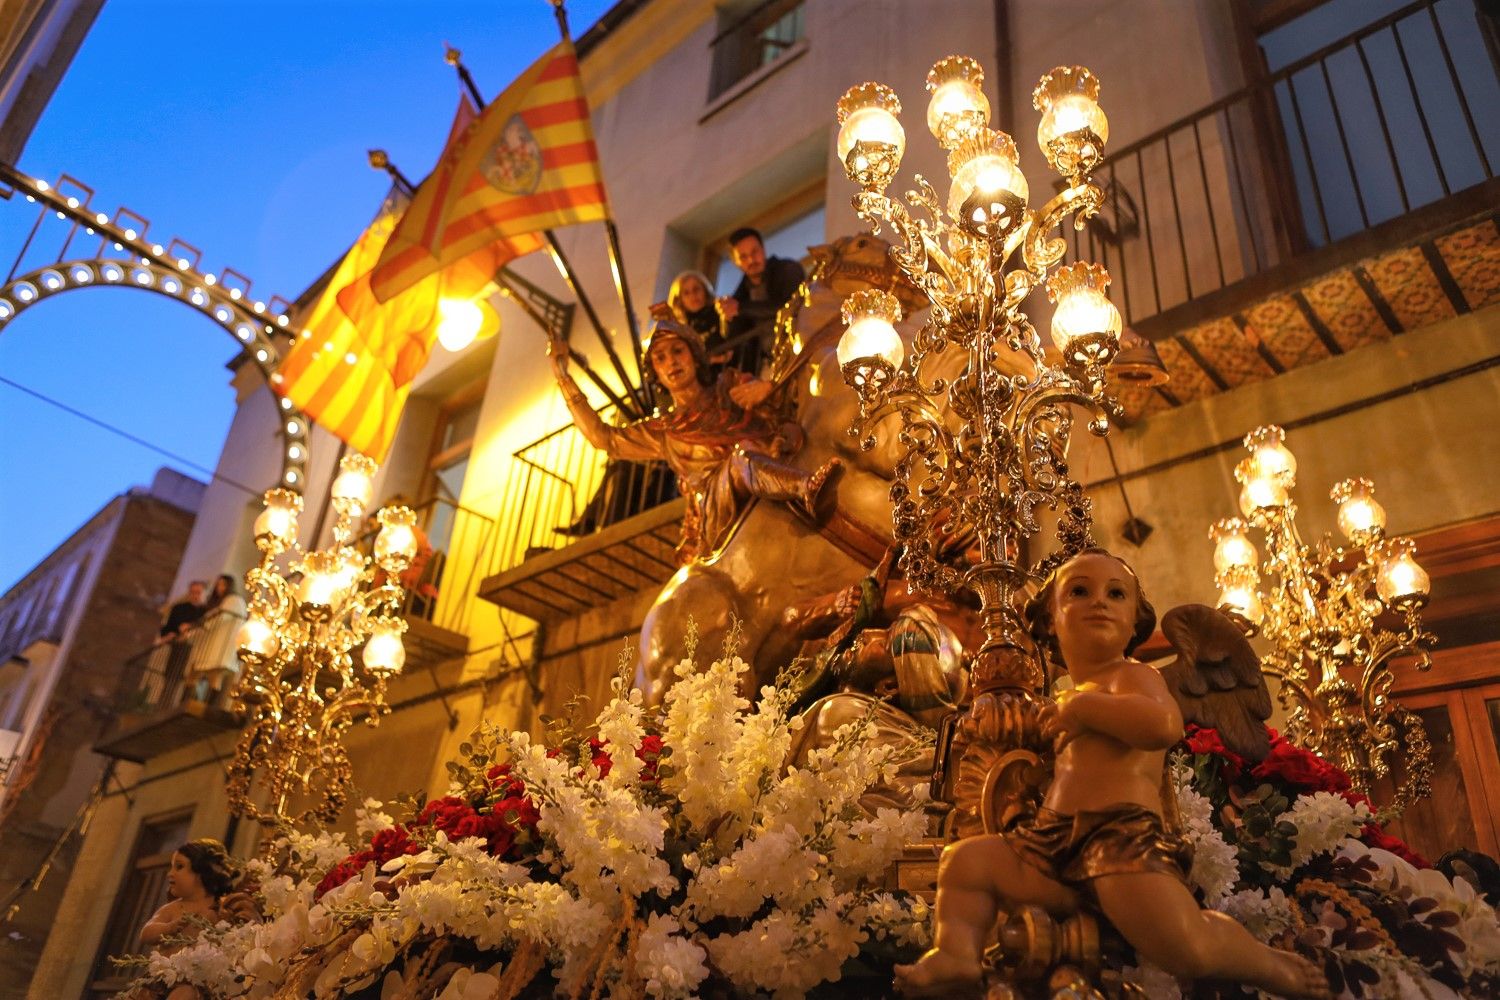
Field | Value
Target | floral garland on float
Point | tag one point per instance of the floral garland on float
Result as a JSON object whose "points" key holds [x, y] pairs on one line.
{"points": [[695, 865], [698, 866]]}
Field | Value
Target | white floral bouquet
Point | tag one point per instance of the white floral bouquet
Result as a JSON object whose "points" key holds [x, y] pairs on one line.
{"points": [[671, 854]]}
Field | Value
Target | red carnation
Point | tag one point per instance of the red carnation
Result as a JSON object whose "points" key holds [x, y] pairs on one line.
{"points": [[1207, 741], [1302, 768]]}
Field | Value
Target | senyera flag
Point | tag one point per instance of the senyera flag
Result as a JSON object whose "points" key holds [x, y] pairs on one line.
{"points": [[353, 378], [527, 164]]}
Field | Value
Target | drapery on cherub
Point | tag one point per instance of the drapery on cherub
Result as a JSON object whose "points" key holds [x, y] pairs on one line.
{"points": [[1099, 836]]}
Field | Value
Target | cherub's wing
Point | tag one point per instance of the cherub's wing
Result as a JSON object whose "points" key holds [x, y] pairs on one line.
{"points": [[1216, 678]]}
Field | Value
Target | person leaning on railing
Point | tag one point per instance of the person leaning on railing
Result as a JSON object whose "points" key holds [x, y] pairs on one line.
{"points": [[213, 662]]}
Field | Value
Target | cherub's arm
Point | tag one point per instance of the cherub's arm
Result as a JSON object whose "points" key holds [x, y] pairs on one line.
{"points": [[1142, 714], [165, 921]]}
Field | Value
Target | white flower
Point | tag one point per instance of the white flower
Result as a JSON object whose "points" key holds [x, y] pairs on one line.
{"points": [[670, 964], [369, 820], [1155, 983], [1263, 913], [1215, 866], [1323, 821]]}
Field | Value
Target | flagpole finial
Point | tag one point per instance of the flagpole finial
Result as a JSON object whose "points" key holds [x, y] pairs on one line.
{"points": [[452, 56], [379, 159]]}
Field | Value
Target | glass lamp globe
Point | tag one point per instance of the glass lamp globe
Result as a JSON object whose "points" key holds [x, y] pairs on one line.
{"points": [[988, 194], [1073, 128], [354, 484], [322, 586], [871, 140], [958, 108], [384, 651], [459, 323], [276, 525], [257, 641], [870, 317], [1399, 581], [1232, 545], [1270, 454], [1239, 592], [1361, 518], [1085, 325], [396, 545]]}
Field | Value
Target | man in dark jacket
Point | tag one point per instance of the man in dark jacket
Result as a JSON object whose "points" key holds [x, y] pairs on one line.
{"points": [[768, 284]]}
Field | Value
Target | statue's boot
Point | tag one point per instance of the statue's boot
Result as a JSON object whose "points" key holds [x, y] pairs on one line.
{"points": [[820, 493]]}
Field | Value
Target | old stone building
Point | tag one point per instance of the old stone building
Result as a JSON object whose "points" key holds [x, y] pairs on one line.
{"points": [[66, 629]]}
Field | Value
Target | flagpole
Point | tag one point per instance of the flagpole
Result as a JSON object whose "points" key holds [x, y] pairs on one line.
{"points": [[616, 259], [380, 160], [643, 402]]}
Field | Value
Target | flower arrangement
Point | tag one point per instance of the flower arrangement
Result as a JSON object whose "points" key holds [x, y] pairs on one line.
{"points": [[1291, 851], [665, 854]]}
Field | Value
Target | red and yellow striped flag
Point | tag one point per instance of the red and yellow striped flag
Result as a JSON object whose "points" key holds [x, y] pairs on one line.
{"points": [[527, 164]]}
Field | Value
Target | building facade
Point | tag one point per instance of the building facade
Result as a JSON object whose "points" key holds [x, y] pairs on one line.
{"points": [[1300, 218], [63, 630]]}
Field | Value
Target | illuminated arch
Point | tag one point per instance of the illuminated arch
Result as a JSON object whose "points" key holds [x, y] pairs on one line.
{"points": [[125, 259]]}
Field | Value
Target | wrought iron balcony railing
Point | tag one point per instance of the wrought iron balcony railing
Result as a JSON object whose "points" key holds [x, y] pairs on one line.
{"points": [[198, 666], [1391, 120]]}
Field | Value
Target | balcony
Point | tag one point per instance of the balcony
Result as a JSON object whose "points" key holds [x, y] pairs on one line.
{"points": [[176, 693], [1346, 199], [580, 531]]}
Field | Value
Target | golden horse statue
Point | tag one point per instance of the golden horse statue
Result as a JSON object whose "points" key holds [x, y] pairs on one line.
{"points": [[771, 559]]}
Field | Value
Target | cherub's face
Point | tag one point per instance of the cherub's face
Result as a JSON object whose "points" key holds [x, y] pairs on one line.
{"points": [[182, 881], [1095, 601]]}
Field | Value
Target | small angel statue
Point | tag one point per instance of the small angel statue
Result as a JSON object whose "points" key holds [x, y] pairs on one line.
{"points": [[1099, 837]]}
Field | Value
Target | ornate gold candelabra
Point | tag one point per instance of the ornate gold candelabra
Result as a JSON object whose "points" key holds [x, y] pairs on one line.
{"points": [[1324, 611], [301, 687], [985, 437]]}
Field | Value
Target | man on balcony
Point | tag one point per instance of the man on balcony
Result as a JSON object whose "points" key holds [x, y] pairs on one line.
{"points": [[768, 284], [715, 436], [183, 615]]}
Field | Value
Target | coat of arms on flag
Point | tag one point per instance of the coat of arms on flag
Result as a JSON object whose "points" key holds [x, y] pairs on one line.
{"points": [[514, 164]]}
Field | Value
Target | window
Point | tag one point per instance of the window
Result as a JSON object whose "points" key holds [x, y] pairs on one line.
{"points": [[142, 891], [751, 36]]}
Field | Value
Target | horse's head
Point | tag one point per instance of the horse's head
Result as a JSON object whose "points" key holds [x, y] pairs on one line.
{"points": [[852, 263]]}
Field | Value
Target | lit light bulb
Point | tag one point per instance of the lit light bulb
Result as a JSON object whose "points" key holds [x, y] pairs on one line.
{"points": [[459, 322], [1232, 545], [871, 140], [1260, 493], [257, 641], [384, 652], [322, 586], [1399, 581], [396, 545], [958, 108], [1073, 129], [870, 316], [989, 192], [1086, 325], [1361, 518], [1239, 592], [1270, 456], [354, 485], [276, 526]]}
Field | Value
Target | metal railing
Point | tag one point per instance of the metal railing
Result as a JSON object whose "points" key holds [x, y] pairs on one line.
{"points": [[1360, 132], [754, 38], [561, 488], [198, 666], [441, 583]]}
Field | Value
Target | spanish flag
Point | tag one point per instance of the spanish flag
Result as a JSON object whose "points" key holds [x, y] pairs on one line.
{"points": [[527, 164]]}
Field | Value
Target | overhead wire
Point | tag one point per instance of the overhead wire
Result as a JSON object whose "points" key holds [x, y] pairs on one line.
{"points": [[132, 438]]}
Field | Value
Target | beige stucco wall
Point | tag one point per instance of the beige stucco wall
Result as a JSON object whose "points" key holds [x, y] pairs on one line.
{"points": [[1431, 454]]}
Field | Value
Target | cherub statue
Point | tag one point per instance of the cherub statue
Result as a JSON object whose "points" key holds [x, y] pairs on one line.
{"points": [[1099, 837], [717, 436]]}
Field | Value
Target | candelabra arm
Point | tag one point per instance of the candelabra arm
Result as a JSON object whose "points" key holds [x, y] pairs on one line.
{"points": [[1040, 250]]}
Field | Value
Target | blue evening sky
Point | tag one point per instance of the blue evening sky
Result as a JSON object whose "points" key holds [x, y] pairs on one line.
{"points": [[240, 126]]}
